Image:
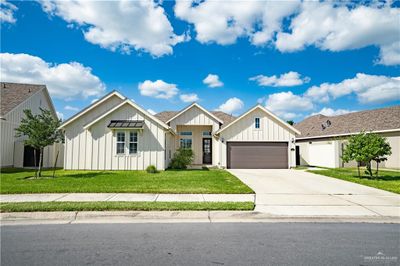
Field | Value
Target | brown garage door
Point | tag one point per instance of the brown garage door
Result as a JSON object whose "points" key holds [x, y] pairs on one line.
{"points": [[257, 155]]}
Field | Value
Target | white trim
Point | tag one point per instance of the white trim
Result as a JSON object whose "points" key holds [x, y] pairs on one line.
{"points": [[258, 106], [200, 107], [90, 107], [349, 134], [127, 101]]}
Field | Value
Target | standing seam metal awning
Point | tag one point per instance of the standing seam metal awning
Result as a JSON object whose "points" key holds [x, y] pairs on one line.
{"points": [[126, 124]]}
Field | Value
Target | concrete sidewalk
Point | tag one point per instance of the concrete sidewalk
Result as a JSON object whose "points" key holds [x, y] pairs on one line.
{"points": [[62, 197]]}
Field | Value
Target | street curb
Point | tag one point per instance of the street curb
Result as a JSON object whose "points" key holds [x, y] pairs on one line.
{"points": [[107, 217]]}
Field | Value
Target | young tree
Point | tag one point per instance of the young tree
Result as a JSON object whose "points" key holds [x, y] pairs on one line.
{"points": [[40, 130], [380, 149]]}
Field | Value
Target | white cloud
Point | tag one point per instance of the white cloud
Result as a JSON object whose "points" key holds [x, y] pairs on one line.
{"points": [[120, 25], [368, 88], [189, 98], [339, 27], [94, 100], [231, 106], [331, 112], [7, 12], [158, 89], [223, 22], [60, 115], [151, 111], [71, 108], [288, 105], [288, 79], [213, 81], [64, 81]]}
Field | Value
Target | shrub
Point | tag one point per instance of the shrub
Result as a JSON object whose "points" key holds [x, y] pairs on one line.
{"points": [[151, 169], [182, 158]]}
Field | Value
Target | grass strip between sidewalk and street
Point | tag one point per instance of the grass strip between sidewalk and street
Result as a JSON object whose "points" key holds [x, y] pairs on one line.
{"points": [[125, 206]]}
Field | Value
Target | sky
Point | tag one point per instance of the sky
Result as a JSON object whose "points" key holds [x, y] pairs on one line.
{"points": [[296, 58]]}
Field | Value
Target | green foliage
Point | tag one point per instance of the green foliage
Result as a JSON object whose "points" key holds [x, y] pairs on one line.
{"points": [[366, 147], [40, 130], [290, 122], [182, 158], [151, 169]]}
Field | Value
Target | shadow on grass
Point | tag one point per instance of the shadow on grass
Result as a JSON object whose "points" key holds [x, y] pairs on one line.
{"points": [[69, 175]]}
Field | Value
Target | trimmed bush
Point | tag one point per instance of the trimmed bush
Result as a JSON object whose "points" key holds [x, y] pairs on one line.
{"points": [[182, 158], [151, 169]]}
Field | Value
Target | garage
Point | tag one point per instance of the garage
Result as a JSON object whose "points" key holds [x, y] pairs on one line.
{"points": [[257, 155]]}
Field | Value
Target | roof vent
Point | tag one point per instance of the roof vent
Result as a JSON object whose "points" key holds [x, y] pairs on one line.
{"points": [[328, 123]]}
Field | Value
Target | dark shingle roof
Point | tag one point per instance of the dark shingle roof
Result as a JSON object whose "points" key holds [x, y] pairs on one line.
{"points": [[369, 120], [166, 115], [12, 94]]}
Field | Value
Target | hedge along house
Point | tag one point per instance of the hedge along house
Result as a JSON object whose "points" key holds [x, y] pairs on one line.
{"points": [[115, 133], [14, 99], [324, 137]]}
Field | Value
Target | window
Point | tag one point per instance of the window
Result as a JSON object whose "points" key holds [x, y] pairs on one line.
{"points": [[186, 143], [185, 133], [120, 142], [206, 133], [257, 122], [133, 142]]}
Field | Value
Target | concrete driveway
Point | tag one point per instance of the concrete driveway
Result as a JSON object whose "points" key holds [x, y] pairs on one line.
{"points": [[298, 193]]}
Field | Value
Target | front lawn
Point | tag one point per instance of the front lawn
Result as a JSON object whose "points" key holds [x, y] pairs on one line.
{"points": [[125, 206], [387, 180], [15, 181]]}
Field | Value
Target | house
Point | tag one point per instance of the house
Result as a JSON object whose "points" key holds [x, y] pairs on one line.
{"points": [[14, 98], [324, 137], [115, 133]]}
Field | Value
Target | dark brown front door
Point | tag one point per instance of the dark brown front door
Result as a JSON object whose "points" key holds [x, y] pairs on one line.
{"points": [[207, 151], [257, 155]]}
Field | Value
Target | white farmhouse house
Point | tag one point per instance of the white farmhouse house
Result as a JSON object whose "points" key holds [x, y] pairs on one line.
{"points": [[115, 133]]}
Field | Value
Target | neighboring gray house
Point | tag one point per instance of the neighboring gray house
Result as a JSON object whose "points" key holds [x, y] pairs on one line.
{"points": [[323, 137], [115, 133], [14, 98]]}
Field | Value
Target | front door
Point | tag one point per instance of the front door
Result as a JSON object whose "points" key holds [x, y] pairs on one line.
{"points": [[207, 151]]}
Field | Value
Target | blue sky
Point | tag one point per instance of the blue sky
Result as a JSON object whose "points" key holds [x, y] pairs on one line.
{"points": [[52, 43]]}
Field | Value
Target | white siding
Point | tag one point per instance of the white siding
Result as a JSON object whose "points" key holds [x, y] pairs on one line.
{"points": [[95, 148], [271, 130], [195, 116], [12, 148]]}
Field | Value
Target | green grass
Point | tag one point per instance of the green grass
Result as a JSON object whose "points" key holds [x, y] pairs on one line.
{"points": [[124, 206], [15, 181], [387, 180]]}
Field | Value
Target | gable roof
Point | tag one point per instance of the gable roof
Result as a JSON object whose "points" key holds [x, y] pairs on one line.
{"points": [[262, 108], [369, 120], [134, 105], [90, 107], [13, 94], [191, 106], [167, 115]]}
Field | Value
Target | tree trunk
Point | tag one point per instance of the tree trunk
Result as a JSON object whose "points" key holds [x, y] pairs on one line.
{"points": [[377, 169], [369, 170], [40, 162], [55, 164], [358, 169], [34, 162]]}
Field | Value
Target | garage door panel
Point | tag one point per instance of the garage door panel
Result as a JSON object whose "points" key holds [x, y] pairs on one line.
{"points": [[257, 155]]}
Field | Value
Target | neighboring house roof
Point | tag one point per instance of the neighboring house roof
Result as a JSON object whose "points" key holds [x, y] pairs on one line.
{"points": [[191, 106], [167, 115], [13, 94], [258, 106], [371, 120]]}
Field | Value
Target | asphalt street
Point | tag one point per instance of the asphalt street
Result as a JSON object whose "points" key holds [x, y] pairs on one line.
{"points": [[202, 244]]}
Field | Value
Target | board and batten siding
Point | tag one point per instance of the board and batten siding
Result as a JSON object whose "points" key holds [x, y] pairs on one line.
{"points": [[12, 148], [95, 147], [271, 130]]}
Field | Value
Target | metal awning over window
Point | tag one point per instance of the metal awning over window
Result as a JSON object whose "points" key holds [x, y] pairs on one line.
{"points": [[126, 124]]}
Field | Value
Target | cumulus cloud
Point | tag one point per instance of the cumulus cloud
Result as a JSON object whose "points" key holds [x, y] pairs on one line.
{"points": [[288, 79], [151, 111], [64, 81], [120, 25], [158, 89], [71, 108], [339, 27], [7, 12], [331, 112], [60, 115], [189, 98], [94, 100], [213, 81], [231, 106], [288, 105], [367, 88]]}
